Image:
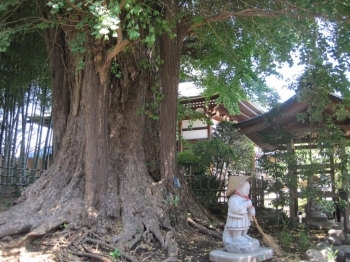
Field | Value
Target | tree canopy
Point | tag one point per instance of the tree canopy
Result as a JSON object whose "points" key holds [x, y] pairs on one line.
{"points": [[229, 48], [112, 63]]}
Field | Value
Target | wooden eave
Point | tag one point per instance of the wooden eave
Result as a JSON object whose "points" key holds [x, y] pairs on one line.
{"points": [[219, 112], [287, 119]]}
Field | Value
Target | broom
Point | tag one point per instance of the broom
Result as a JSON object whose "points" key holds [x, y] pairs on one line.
{"points": [[268, 239]]}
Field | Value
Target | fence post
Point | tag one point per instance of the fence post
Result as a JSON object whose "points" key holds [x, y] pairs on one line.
{"points": [[344, 196]]}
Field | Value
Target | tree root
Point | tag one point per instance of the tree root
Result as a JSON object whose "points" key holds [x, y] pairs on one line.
{"points": [[59, 254], [8, 250], [86, 243], [136, 240], [100, 243], [170, 259], [171, 244], [203, 229], [12, 230], [81, 241], [91, 255], [111, 247], [153, 226], [152, 230]]}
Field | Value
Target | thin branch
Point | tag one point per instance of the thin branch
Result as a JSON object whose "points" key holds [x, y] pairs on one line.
{"points": [[121, 5], [117, 49], [251, 12], [98, 257], [120, 42], [78, 9], [100, 243], [203, 229], [223, 16], [120, 35]]}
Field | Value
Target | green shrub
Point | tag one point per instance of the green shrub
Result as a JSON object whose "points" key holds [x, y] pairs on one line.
{"points": [[286, 239]]}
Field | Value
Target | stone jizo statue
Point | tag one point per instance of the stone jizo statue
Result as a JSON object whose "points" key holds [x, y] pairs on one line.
{"points": [[239, 216]]}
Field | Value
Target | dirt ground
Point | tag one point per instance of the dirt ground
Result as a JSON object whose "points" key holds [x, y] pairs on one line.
{"points": [[192, 246]]}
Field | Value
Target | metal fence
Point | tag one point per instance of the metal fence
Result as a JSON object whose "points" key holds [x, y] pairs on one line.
{"points": [[16, 175], [14, 179], [211, 191]]}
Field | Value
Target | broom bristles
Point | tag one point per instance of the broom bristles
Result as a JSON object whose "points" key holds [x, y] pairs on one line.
{"points": [[268, 239]]}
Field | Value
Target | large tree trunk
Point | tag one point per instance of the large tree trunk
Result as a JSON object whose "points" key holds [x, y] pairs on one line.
{"points": [[55, 43], [170, 50], [107, 166]]}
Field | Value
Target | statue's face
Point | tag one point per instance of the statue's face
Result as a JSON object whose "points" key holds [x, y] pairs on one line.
{"points": [[243, 189]]}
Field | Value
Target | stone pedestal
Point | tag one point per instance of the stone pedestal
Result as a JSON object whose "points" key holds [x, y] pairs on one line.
{"points": [[239, 244], [242, 246], [220, 255]]}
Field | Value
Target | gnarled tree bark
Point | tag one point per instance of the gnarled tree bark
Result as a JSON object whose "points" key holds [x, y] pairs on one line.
{"points": [[114, 164]]}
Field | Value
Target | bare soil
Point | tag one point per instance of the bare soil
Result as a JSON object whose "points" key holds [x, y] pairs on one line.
{"points": [[193, 246]]}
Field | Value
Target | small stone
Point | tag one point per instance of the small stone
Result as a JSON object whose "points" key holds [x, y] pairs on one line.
{"points": [[336, 232], [346, 250], [340, 253], [322, 245], [103, 231], [326, 251], [333, 240], [315, 255]]}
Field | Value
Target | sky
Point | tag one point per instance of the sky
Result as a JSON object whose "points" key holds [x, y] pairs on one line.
{"points": [[288, 73]]}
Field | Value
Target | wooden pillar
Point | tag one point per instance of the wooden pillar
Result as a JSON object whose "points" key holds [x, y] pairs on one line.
{"points": [[209, 130], [293, 207], [345, 183], [179, 142], [332, 171]]}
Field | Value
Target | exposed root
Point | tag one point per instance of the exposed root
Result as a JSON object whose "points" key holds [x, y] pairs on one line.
{"points": [[95, 246], [16, 229], [149, 231], [171, 259], [59, 254], [123, 238], [100, 243], [41, 230], [137, 239], [153, 226], [91, 255], [110, 247], [171, 244], [9, 250], [203, 229]]}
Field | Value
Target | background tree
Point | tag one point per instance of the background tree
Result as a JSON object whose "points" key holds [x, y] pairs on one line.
{"points": [[320, 159], [23, 89], [112, 62], [210, 162]]}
